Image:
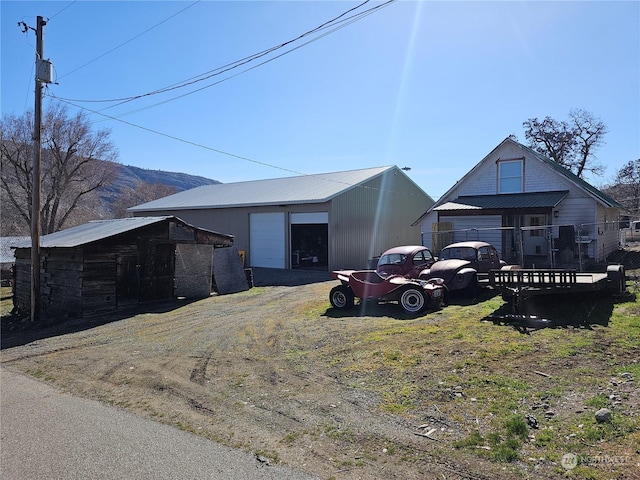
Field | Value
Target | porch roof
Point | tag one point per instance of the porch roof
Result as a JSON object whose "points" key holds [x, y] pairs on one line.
{"points": [[509, 201]]}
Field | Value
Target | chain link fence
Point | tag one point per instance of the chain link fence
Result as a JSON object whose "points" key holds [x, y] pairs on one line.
{"points": [[543, 246]]}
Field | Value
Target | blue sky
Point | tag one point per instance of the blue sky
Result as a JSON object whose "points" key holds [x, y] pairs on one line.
{"points": [[431, 85]]}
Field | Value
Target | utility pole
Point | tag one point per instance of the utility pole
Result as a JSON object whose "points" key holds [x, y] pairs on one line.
{"points": [[36, 181]]}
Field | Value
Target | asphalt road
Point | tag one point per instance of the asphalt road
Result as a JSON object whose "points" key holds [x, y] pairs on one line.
{"points": [[46, 434]]}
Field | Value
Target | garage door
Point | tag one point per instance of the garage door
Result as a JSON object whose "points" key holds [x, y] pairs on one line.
{"points": [[267, 239]]}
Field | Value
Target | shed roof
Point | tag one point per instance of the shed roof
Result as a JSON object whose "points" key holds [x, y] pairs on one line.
{"points": [[505, 201], [316, 188], [98, 230]]}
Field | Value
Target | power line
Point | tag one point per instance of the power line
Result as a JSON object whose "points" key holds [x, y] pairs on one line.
{"points": [[235, 75], [130, 40], [222, 152], [336, 23], [55, 15], [173, 137], [246, 60]]}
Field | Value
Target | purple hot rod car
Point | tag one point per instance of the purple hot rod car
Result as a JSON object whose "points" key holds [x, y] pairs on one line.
{"points": [[393, 280]]}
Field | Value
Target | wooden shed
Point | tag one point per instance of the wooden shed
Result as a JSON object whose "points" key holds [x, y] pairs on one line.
{"points": [[103, 265]]}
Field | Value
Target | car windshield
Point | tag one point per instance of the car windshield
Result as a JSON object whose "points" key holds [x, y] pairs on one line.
{"points": [[393, 259], [462, 253]]}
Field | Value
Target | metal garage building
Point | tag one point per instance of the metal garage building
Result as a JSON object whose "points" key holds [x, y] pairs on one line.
{"points": [[324, 221]]}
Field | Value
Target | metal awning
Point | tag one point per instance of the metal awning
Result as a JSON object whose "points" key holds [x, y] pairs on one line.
{"points": [[509, 201]]}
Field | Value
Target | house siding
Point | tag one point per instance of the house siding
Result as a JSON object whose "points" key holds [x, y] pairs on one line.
{"points": [[537, 176]]}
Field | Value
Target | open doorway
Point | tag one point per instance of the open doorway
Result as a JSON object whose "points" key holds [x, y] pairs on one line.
{"points": [[309, 246]]}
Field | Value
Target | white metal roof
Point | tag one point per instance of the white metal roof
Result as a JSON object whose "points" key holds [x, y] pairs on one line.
{"points": [[316, 188]]}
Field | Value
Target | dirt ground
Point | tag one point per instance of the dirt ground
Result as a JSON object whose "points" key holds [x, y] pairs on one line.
{"points": [[366, 394]]}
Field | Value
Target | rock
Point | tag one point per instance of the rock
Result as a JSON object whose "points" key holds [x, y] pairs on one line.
{"points": [[603, 415], [549, 413], [532, 421], [627, 375]]}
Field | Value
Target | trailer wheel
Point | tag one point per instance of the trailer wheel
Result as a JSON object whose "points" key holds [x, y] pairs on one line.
{"points": [[413, 300], [616, 280], [341, 297], [507, 296]]}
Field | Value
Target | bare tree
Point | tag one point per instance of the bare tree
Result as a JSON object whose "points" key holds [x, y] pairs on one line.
{"points": [[626, 187], [16, 163], [142, 192], [589, 132], [76, 162], [572, 144]]}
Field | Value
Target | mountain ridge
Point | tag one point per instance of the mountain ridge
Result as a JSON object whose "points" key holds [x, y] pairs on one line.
{"points": [[128, 175]]}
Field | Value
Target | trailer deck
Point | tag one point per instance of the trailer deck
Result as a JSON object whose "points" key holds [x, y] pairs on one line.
{"points": [[519, 284]]}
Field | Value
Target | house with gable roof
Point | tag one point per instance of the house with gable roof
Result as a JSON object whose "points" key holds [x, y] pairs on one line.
{"points": [[533, 210]]}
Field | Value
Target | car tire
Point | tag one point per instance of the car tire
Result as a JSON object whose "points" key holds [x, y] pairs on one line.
{"points": [[413, 300], [341, 297]]}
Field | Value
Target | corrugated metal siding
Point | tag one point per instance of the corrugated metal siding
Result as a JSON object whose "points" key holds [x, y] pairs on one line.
{"points": [[376, 216]]}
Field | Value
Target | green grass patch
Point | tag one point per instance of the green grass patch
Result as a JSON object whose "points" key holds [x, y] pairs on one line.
{"points": [[599, 401], [516, 426], [474, 439], [502, 445]]}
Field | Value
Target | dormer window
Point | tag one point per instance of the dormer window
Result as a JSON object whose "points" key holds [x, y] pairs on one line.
{"points": [[510, 176]]}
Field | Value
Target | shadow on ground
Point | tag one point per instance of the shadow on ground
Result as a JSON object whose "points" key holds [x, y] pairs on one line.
{"points": [[18, 331], [371, 308], [580, 310], [270, 277]]}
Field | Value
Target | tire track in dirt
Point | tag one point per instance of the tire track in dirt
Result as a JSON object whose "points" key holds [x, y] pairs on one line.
{"points": [[199, 372]]}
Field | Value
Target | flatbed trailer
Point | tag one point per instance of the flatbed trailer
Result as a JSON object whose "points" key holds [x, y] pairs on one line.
{"points": [[516, 285]]}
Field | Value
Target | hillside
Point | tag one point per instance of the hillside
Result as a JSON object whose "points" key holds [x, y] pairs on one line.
{"points": [[129, 175], [131, 186]]}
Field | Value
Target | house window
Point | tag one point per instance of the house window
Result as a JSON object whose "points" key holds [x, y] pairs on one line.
{"points": [[535, 222], [510, 174]]}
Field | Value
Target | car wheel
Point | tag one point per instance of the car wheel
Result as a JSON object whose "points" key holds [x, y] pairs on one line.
{"points": [[341, 296], [413, 300]]}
